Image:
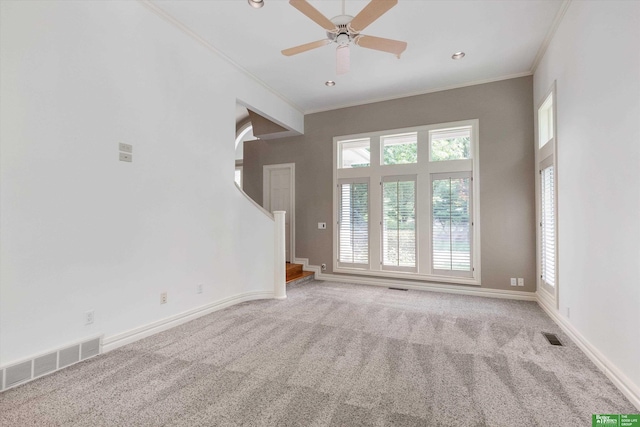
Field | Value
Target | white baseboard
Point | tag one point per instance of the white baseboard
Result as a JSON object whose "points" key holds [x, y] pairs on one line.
{"points": [[124, 338], [619, 379], [430, 286], [425, 286]]}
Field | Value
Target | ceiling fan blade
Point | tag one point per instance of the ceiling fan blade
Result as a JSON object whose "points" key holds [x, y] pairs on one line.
{"points": [[378, 43], [343, 61], [305, 47], [312, 13], [374, 10]]}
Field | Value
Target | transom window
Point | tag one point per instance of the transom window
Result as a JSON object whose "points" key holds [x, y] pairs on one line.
{"points": [[406, 203], [400, 149], [355, 154]]}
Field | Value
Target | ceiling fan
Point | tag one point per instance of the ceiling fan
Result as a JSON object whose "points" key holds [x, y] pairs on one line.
{"points": [[345, 30]]}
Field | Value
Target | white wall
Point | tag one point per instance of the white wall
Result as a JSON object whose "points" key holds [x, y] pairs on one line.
{"points": [[81, 230], [595, 58]]}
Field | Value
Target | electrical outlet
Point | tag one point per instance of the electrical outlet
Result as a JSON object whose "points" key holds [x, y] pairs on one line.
{"points": [[163, 298], [322, 226], [513, 281], [89, 317], [323, 267], [568, 313], [127, 148], [126, 157], [520, 281], [199, 288]]}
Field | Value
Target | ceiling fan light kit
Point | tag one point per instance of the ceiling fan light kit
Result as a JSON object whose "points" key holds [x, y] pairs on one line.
{"points": [[344, 30], [257, 4]]}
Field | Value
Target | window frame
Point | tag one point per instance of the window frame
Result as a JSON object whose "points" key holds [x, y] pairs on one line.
{"points": [[422, 170], [382, 147], [546, 155]]}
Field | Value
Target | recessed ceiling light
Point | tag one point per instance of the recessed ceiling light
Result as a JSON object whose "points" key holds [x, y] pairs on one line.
{"points": [[457, 55], [330, 83], [256, 3]]}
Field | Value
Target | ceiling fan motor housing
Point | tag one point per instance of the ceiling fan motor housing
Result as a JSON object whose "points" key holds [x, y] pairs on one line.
{"points": [[343, 36]]}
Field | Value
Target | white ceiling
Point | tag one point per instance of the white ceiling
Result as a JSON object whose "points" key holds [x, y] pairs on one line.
{"points": [[501, 40]]}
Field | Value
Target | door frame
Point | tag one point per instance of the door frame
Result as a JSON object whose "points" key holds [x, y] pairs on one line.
{"points": [[266, 199]]}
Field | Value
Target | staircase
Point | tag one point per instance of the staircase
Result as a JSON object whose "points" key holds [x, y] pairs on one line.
{"points": [[296, 275]]}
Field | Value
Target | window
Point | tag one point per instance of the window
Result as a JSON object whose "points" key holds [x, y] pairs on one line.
{"points": [[400, 149], [353, 223], [399, 223], [451, 223], [545, 121], [450, 144], [546, 198], [547, 227], [238, 176], [406, 203], [355, 154]]}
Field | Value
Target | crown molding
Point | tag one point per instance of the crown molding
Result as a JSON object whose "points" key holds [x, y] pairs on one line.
{"points": [[422, 92], [550, 33], [188, 31]]}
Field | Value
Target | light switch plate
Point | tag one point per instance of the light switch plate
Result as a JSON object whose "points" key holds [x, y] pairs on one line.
{"points": [[520, 281], [513, 281], [126, 157]]}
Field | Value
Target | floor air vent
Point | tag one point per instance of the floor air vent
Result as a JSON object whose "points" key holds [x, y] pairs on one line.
{"points": [[398, 289], [552, 338]]}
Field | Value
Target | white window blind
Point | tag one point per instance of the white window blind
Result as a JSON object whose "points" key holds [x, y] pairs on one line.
{"points": [[547, 226], [451, 221], [353, 227], [399, 223]]}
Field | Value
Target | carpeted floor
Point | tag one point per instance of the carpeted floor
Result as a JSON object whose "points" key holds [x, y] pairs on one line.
{"points": [[333, 354]]}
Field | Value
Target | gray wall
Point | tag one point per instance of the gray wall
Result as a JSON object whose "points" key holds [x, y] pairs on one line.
{"points": [[507, 195]]}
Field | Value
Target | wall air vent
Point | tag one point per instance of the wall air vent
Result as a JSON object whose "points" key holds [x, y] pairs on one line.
{"points": [[398, 289], [34, 367]]}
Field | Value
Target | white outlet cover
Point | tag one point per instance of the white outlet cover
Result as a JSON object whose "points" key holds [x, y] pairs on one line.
{"points": [[513, 281], [127, 148], [89, 317], [520, 281]]}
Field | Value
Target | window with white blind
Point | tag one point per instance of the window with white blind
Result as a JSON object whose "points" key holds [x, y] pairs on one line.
{"points": [[406, 203], [546, 197], [451, 238], [547, 227], [353, 223], [399, 223]]}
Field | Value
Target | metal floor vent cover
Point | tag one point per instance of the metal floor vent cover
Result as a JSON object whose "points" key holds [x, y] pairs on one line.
{"points": [[552, 338], [398, 289]]}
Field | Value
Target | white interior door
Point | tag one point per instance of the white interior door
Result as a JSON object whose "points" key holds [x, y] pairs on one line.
{"points": [[278, 194]]}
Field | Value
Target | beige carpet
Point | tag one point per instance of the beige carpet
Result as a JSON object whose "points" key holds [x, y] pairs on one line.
{"points": [[333, 355]]}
